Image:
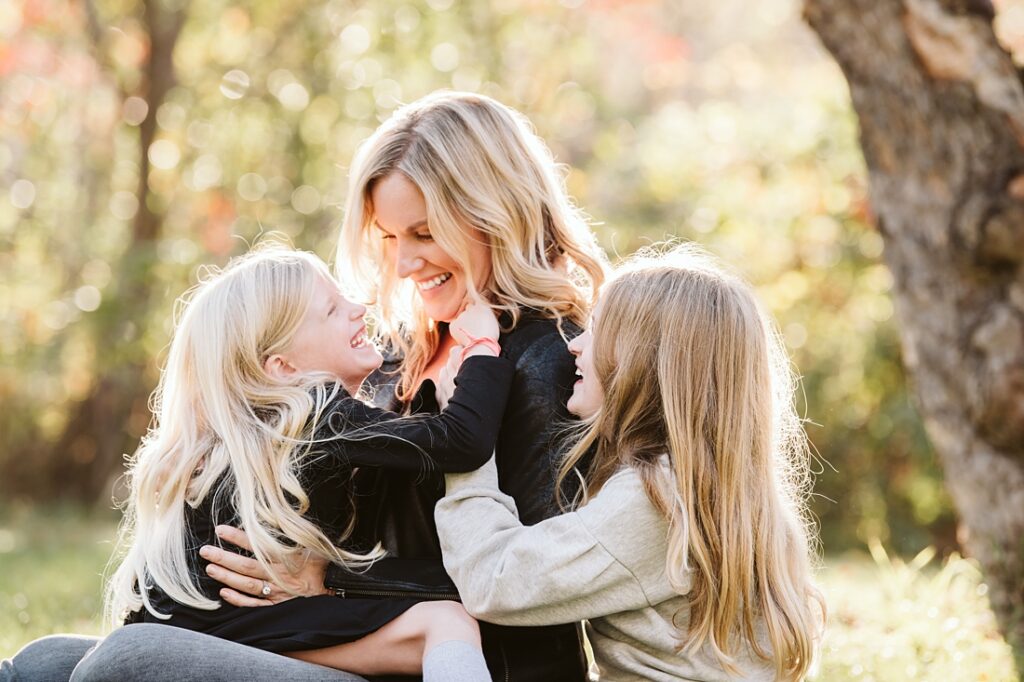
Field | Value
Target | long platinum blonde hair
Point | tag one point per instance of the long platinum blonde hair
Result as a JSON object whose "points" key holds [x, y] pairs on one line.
{"points": [[693, 367], [223, 427], [479, 165]]}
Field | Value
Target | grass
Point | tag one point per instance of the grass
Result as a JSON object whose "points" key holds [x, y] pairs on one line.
{"points": [[889, 620], [50, 573]]}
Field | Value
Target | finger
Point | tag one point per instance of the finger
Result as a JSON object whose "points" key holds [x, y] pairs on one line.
{"points": [[236, 581], [239, 599], [234, 535], [233, 562]]}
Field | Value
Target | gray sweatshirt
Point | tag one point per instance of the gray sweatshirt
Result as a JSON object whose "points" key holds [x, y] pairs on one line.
{"points": [[604, 563]]}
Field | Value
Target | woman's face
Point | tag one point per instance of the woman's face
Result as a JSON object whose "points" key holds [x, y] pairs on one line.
{"points": [[587, 394], [400, 213]]}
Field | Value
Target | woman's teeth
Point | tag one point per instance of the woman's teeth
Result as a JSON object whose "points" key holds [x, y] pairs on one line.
{"points": [[359, 341], [429, 284]]}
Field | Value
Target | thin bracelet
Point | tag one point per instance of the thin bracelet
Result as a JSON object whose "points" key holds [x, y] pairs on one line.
{"points": [[478, 341]]}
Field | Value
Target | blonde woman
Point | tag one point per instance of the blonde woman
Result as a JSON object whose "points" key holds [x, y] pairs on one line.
{"points": [[258, 424], [688, 550], [453, 194]]}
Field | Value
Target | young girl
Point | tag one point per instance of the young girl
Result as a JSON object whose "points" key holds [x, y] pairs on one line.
{"points": [[258, 425], [688, 551]]}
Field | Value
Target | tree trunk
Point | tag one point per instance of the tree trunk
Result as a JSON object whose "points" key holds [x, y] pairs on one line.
{"points": [[96, 436], [941, 110]]}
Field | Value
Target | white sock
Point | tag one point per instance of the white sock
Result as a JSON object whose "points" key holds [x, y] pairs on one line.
{"points": [[455, 661]]}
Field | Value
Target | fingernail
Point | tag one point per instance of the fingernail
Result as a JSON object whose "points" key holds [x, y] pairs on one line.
{"points": [[220, 531], [206, 551], [211, 569]]}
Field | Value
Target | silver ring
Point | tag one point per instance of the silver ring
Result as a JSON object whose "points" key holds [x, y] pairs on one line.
{"points": [[266, 589]]}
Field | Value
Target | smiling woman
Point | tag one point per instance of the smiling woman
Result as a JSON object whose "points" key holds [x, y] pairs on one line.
{"points": [[400, 212]]}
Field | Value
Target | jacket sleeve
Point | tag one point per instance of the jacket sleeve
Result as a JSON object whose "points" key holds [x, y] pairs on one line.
{"points": [[528, 446], [556, 571], [460, 438]]}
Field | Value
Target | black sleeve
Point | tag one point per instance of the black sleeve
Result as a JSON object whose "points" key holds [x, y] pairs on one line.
{"points": [[530, 445], [461, 438]]}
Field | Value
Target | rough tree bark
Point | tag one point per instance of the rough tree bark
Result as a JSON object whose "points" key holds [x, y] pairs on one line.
{"points": [[941, 110], [96, 436]]}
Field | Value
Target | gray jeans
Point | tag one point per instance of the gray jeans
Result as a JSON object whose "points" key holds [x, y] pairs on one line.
{"points": [[160, 653]]}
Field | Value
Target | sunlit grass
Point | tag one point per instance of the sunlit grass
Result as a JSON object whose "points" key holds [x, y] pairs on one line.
{"points": [[889, 619], [896, 620], [51, 566]]}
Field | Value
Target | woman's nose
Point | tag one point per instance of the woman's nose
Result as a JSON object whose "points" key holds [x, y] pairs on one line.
{"points": [[358, 311], [408, 260]]}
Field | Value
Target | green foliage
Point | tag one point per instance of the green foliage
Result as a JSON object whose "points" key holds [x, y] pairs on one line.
{"points": [[720, 122]]}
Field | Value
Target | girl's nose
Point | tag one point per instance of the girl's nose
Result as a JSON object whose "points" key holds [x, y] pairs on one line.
{"points": [[574, 346], [358, 311]]}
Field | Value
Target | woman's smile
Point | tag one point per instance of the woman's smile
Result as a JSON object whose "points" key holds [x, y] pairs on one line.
{"points": [[400, 213]]}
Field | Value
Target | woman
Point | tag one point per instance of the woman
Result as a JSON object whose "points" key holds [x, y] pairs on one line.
{"points": [[452, 198], [452, 195], [689, 550]]}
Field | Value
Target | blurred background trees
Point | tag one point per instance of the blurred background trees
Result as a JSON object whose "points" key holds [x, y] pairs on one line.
{"points": [[143, 138], [940, 106]]}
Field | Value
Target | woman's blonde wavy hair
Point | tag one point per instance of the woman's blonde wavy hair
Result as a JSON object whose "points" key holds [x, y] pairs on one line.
{"points": [[479, 165], [691, 365], [223, 427]]}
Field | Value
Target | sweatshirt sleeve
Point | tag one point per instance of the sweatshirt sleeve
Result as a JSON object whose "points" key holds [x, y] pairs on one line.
{"points": [[556, 571], [459, 438]]}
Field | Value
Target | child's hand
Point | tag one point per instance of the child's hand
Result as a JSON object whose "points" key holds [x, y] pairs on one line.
{"points": [[476, 321]]}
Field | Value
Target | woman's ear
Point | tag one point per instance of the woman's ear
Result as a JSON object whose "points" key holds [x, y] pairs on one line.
{"points": [[278, 367]]}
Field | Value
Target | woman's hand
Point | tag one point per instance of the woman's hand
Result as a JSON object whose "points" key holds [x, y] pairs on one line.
{"points": [[476, 321], [248, 584]]}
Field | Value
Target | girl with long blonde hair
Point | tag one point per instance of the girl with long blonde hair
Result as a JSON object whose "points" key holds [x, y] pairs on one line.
{"points": [[688, 549], [258, 423]]}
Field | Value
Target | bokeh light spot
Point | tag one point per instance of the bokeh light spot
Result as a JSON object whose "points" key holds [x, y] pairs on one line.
{"points": [[88, 298], [306, 199], [164, 154], [252, 187], [235, 84], [134, 111], [294, 97], [445, 57], [22, 193], [124, 205]]}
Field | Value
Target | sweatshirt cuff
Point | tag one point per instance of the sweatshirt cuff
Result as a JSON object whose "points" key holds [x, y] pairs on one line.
{"points": [[484, 477]]}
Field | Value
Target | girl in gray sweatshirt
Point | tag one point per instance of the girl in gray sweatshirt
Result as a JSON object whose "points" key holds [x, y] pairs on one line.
{"points": [[688, 550]]}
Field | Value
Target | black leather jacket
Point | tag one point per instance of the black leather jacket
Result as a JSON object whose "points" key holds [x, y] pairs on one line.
{"points": [[399, 507]]}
